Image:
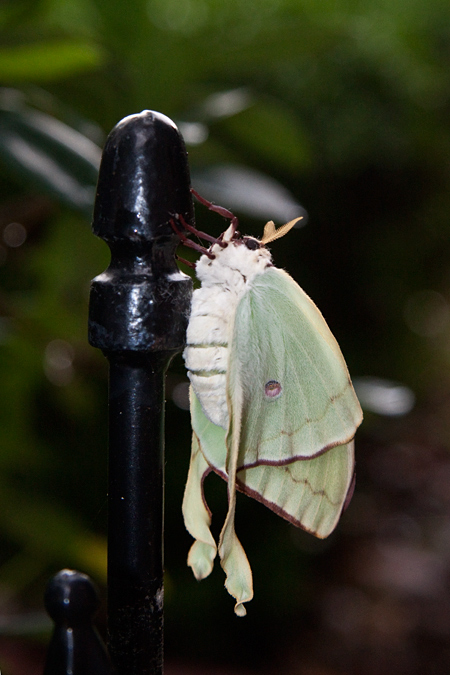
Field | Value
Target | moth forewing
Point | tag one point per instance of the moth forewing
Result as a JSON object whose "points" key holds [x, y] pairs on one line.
{"points": [[283, 339]]}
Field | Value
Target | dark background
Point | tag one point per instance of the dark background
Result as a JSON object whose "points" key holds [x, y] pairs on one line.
{"points": [[346, 106]]}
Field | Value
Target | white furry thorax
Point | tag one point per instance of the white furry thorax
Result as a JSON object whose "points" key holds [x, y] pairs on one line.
{"points": [[224, 280], [233, 266]]}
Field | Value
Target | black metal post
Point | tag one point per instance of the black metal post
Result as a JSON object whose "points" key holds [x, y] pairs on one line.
{"points": [[75, 648], [138, 316]]}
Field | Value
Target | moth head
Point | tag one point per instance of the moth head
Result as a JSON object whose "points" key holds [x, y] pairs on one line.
{"points": [[251, 243]]}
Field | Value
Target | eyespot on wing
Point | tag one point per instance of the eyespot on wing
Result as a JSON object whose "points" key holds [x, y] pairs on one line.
{"points": [[272, 389]]}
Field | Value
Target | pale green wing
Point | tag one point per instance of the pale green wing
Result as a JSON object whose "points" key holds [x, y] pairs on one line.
{"points": [[310, 493], [209, 451], [197, 517], [239, 581], [293, 415], [196, 514], [211, 437], [282, 342]]}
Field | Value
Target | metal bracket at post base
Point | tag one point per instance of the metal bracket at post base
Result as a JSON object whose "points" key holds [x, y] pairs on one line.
{"points": [[138, 316]]}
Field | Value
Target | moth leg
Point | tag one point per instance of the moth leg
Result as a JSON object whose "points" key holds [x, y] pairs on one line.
{"points": [[187, 242], [221, 210], [199, 233], [188, 263]]}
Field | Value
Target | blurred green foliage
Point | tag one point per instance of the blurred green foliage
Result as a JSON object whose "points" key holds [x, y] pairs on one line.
{"points": [[346, 104]]}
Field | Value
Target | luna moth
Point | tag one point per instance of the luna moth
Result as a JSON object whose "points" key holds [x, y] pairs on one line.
{"points": [[273, 409]]}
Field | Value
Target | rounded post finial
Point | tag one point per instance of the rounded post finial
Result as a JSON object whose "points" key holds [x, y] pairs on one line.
{"points": [[71, 600], [141, 302]]}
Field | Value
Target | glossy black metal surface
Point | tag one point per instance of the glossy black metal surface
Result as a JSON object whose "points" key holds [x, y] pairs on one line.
{"points": [[138, 316], [141, 301], [75, 648]]}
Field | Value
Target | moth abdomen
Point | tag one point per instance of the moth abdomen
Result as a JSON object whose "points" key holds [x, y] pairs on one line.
{"points": [[206, 358], [206, 345], [207, 365], [210, 387], [207, 373]]}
